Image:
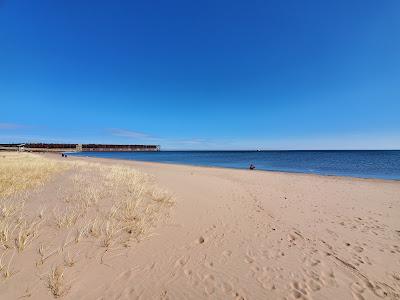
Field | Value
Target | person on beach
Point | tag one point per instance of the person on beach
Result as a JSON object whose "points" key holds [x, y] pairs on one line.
{"points": [[252, 167]]}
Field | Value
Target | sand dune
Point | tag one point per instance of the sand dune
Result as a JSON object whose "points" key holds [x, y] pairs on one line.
{"points": [[216, 234]]}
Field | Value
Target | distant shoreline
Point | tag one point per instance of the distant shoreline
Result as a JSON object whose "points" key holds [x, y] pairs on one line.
{"points": [[244, 167], [161, 164]]}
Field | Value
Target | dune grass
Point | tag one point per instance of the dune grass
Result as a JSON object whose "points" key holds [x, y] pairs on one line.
{"points": [[97, 208], [21, 171], [56, 282]]}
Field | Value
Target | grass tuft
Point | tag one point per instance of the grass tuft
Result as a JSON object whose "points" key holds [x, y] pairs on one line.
{"points": [[56, 282], [27, 232]]}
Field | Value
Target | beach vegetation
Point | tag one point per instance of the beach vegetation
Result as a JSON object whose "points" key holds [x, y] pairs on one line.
{"points": [[90, 207]]}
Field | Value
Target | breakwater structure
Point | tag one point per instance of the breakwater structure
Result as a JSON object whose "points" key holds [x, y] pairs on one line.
{"points": [[44, 147]]}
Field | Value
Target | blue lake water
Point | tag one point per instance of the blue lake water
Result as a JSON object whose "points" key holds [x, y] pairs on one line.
{"points": [[365, 164]]}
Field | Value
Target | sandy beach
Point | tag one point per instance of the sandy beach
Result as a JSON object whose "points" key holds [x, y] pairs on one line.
{"points": [[197, 233]]}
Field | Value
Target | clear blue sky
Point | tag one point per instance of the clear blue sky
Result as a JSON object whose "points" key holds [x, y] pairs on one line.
{"points": [[202, 74]]}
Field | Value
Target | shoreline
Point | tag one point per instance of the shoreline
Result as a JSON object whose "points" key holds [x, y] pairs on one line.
{"points": [[241, 169]]}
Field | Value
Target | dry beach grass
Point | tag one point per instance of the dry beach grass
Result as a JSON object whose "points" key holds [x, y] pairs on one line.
{"points": [[86, 212], [20, 171]]}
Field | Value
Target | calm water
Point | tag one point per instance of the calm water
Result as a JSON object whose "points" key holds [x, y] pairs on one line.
{"points": [[366, 164]]}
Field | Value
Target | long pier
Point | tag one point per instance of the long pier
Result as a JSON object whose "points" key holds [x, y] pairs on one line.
{"points": [[44, 147]]}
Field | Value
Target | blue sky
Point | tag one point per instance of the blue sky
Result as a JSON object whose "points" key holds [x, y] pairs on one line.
{"points": [[202, 74]]}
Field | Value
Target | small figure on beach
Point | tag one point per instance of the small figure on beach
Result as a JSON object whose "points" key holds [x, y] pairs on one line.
{"points": [[252, 167], [62, 154]]}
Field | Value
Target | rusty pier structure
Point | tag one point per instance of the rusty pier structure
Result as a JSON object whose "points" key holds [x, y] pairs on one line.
{"points": [[45, 147]]}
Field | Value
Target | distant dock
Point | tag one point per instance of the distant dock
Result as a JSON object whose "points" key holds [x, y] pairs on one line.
{"points": [[43, 147]]}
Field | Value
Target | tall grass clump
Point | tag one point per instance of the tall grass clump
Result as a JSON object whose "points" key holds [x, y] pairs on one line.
{"points": [[137, 203], [20, 171]]}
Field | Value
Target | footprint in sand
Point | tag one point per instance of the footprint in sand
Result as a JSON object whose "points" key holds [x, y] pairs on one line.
{"points": [[357, 296], [187, 272], [164, 295], [396, 276], [209, 284], [193, 278], [358, 249], [209, 264], [395, 249], [328, 278], [314, 262], [225, 256], [227, 253], [266, 281], [249, 260], [314, 286], [357, 288], [299, 290], [226, 287], [250, 257], [182, 261], [291, 239]]}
